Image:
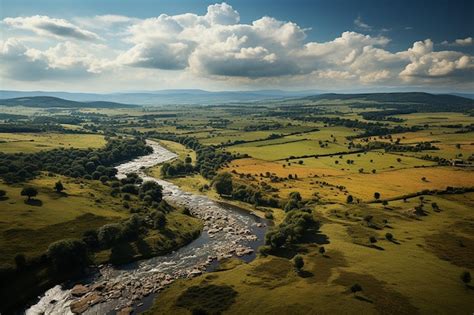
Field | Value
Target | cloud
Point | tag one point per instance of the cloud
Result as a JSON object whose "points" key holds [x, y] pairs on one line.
{"points": [[44, 25], [65, 60], [459, 42], [428, 64], [217, 47], [361, 25]]}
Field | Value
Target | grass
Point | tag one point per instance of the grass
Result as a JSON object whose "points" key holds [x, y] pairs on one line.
{"points": [[29, 229], [179, 149], [29, 142], [402, 278]]}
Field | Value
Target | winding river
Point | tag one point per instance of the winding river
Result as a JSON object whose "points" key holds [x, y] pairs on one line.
{"points": [[228, 231]]}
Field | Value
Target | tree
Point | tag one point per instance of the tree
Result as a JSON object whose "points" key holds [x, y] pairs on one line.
{"points": [[68, 255], [298, 262], [356, 288], [389, 236], [466, 277], [373, 239], [350, 199], [188, 160], [322, 250], [58, 186], [2, 193], [223, 184], [377, 195], [109, 234], [29, 192]]}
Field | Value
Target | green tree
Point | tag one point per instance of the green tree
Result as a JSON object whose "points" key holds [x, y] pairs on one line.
{"points": [[29, 192], [58, 186], [69, 255], [377, 195], [298, 262], [466, 277], [350, 199], [223, 184]]}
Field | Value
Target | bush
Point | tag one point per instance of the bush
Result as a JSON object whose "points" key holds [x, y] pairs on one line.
{"points": [[356, 288], [298, 262], [91, 239], [109, 234], [29, 192], [3, 193], [223, 184], [130, 189], [373, 239], [322, 250], [68, 255], [466, 277], [58, 186], [389, 236], [349, 199]]}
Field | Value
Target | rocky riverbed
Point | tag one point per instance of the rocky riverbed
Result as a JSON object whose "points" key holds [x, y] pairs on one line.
{"points": [[228, 232]]}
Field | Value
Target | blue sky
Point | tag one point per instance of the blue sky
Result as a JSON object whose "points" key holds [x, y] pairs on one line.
{"points": [[99, 45]]}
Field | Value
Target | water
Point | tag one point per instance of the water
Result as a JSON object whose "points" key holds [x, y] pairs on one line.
{"points": [[227, 230]]}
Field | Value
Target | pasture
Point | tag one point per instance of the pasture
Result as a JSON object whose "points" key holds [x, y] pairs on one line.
{"points": [[34, 142]]}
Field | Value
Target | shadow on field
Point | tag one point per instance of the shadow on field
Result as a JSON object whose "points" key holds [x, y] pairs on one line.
{"points": [[363, 299], [34, 202]]}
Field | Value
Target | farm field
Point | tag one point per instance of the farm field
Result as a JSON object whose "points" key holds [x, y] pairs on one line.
{"points": [[26, 143]]}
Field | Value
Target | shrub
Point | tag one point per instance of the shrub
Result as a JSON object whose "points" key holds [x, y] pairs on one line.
{"points": [[298, 262], [109, 234], [322, 250], [389, 236], [3, 193], [373, 239], [68, 255], [223, 184], [350, 199], [130, 189], [29, 192], [58, 186], [356, 288], [466, 277]]}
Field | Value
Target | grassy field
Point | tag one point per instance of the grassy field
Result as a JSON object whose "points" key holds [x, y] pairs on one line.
{"points": [[179, 149], [34, 142], [30, 228], [400, 277]]}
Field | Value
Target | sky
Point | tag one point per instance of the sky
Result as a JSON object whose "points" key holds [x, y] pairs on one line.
{"points": [[145, 45]]}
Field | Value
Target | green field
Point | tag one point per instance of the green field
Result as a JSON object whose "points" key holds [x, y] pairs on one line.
{"points": [[28, 142]]}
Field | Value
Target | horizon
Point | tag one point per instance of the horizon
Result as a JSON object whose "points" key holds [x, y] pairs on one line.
{"points": [[237, 46]]}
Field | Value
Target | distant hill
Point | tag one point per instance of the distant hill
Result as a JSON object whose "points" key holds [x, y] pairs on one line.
{"points": [[49, 101], [166, 97], [400, 97]]}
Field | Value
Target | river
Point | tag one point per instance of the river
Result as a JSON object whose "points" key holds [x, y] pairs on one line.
{"points": [[228, 231]]}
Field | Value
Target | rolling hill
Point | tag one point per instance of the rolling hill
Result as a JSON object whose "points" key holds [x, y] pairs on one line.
{"points": [[49, 101]]}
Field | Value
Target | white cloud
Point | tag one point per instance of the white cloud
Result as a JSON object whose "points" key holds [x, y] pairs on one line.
{"points": [[459, 42], [216, 47], [361, 25], [46, 26]]}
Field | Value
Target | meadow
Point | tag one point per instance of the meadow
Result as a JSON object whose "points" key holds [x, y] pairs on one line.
{"points": [[33, 142]]}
